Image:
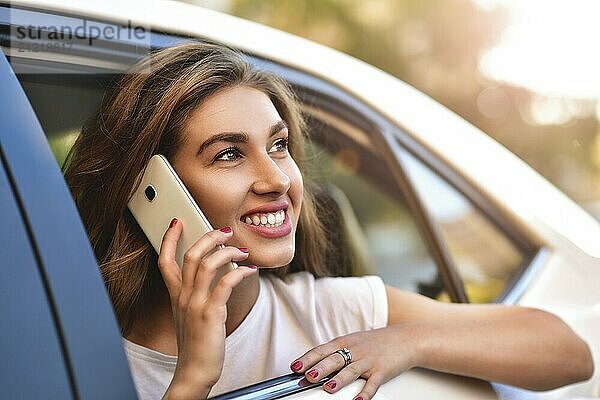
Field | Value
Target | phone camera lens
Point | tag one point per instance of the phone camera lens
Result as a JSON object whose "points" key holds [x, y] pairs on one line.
{"points": [[150, 193]]}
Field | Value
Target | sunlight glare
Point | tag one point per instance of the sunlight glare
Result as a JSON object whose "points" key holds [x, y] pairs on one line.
{"points": [[549, 47]]}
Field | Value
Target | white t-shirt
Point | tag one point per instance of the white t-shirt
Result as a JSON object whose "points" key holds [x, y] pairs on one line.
{"points": [[290, 317]]}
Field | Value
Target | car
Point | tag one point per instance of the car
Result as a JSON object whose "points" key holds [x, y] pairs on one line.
{"points": [[427, 201]]}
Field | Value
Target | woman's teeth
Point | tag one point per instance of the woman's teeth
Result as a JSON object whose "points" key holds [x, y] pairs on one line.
{"points": [[270, 220]]}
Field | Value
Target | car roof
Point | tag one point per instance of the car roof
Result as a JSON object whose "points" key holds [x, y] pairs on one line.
{"points": [[525, 197]]}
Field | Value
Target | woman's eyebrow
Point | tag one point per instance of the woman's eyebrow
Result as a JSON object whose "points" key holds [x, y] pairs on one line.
{"points": [[238, 137], [231, 137], [276, 127]]}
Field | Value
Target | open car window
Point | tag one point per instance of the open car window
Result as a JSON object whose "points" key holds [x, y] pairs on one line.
{"points": [[386, 238], [382, 233], [486, 259]]}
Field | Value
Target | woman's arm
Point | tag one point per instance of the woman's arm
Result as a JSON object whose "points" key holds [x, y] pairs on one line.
{"points": [[519, 346], [514, 345]]}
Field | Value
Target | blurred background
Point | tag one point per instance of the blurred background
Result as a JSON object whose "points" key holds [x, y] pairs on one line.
{"points": [[527, 72]]}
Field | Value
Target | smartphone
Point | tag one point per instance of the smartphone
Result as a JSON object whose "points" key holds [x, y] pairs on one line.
{"points": [[162, 196]]}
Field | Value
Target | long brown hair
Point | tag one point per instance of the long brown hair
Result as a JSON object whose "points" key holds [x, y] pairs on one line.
{"points": [[145, 115]]}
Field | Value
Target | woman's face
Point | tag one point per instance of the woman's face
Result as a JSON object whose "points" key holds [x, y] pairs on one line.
{"points": [[235, 163]]}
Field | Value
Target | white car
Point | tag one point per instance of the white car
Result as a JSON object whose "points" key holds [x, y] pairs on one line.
{"points": [[429, 202]]}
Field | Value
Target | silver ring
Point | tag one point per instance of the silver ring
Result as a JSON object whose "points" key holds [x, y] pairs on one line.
{"points": [[346, 354]]}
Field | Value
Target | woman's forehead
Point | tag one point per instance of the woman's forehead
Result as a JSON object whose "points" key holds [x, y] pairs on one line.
{"points": [[237, 109]]}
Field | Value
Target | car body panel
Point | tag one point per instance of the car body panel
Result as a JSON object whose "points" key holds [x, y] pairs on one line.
{"points": [[24, 304], [566, 277]]}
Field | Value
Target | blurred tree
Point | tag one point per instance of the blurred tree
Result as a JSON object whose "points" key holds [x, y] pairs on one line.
{"points": [[435, 46]]}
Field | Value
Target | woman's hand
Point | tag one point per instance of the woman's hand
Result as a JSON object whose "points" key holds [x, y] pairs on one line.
{"points": [[377, 356], [518, 346], [199, 309]]}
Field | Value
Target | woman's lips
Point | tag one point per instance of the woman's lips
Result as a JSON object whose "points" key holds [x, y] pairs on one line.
{"points": [[273, 232]]}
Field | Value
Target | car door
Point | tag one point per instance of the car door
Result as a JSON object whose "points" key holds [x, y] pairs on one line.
{"points": [[60, 338]]}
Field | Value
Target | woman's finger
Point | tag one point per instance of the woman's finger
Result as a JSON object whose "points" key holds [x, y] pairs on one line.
{"points": [[347, 375], [192, 257], [167, 264], [328, 365], [209, 265], [371, 386], [313, 356], [222, 291]]}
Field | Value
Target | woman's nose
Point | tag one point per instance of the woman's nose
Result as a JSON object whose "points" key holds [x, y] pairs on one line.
{"points": [[270, 178]]}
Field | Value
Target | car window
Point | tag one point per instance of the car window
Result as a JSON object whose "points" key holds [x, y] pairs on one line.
{"points": [[384, 235], [79, 97], [485, 258], [385, 239]]}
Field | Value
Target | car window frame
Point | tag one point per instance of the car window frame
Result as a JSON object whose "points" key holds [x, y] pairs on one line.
{"points": [[25, 308]]}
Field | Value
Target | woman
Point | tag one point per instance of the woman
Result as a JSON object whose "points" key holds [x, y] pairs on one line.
{"points": [[234, 135]]}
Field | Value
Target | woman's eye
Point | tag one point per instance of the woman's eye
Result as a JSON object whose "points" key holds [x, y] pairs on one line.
{"points": [[280, 145], [231, 154]]}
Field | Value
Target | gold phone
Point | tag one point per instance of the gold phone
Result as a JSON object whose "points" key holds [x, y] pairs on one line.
{"points": [[162, 196]]}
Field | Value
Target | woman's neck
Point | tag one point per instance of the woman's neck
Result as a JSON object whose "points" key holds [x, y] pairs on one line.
{"points": [[155, 329]]}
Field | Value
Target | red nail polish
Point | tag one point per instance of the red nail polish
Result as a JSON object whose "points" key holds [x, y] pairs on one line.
{"points": [[313, 374], [244, 249], [297, 365], [226, 229], [251, 266], [173, 222], [359, 398], [331, 384]]}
